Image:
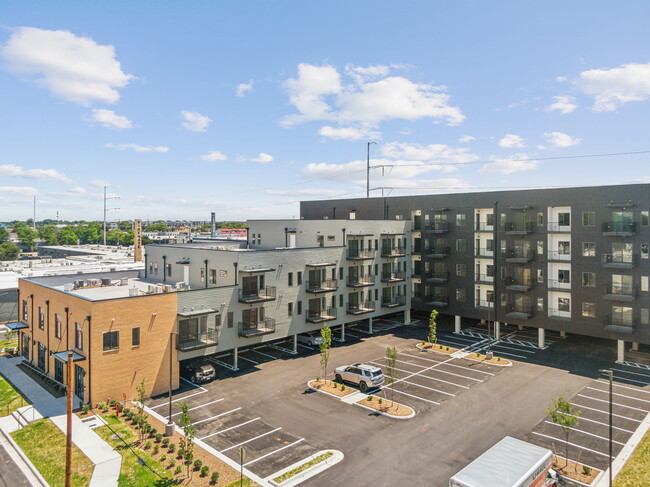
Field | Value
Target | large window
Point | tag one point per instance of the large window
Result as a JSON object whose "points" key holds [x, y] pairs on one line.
{"points": [[564, 219], [460, 220], [79, 336], [588, 249], [589, 279], [57, 326], [461, 295], [645, 218], [24, 310], [461, 269], [564, 276], [135, 336], [564, 248], [588, 219], [461, 245], [212, 276], [41, 318], [111, 340], [564, 304], [589, 310]]}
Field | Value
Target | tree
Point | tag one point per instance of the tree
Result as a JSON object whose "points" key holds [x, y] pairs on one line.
{"points": [[433, 326], [390, 370], [9, 251], [26, 236], [113, 237], [564, 415], [49, 234], [67, 236], [125, 226], [127, 238], [325, 346], [187, 442], [157, 227], [4, 235], [141, 389]]}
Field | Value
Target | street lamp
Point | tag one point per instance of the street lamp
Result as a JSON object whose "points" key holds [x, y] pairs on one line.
{"points": [[610, 373], [170, 427]]}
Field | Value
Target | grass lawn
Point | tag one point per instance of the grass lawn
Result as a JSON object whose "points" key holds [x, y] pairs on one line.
{"points": [[637, 469], [44, 445], [10, 398], [12, 343], [132, 473]]}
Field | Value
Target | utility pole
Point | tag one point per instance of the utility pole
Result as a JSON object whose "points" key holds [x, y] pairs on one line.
{"points": [[68, 436], [107, 209], [610, 373], [34, 220], [368, 170]]}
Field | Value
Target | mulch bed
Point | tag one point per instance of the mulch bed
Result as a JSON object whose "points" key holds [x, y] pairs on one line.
{"points": [[395, 408], [574, 470], [438, 348], [41, 381], [331, 387]]}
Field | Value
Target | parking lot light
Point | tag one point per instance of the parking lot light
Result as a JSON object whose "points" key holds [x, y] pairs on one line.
{"points": [[170, 426], [611, 427]]}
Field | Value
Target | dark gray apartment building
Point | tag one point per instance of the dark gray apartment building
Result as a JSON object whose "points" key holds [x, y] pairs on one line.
{"points": [[573, 260]]}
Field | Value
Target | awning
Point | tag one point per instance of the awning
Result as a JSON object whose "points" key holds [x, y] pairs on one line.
{"points": [[320, 264], [184, 261], [63, 356], [196, 312], [257, 270], [360, 234], [392, 233], [16, 325]]}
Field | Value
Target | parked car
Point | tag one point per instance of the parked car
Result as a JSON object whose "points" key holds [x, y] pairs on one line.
{"points": [[198, 373], [311, 338], [366, 376]]}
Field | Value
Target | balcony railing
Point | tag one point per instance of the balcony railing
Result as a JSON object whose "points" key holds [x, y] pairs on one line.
{"points": [[393, 301], [439, 301], [484, 278], [620, 293], [322, 286], [558, 284], [619, 228], [437, 277], [481, 303], [519, 227], [393, 276], [559, 255], [437, 252], [481, 252], [320, 316], [256, 328], [208, 338], [620, 261], [483, 227], [519, 312], [619, 324], [437, 227], [559, 314], [267, 293], [519, 256], [361, 281], [397, 251], [557, 227], [364, 254], [361, 308], [515, 284]]}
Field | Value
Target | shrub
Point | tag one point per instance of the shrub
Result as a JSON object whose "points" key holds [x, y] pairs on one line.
{"points": [[165, 442], [197, 464], [152, 432], [334, 385], [172, 462], [478, 354], [447, 348], [163, 457], [102, 406], [178, 470], [214, 478], [317, 379], [498, 359], [159, 437], [85, 408], [586, 470], [204, 470], [172, 448], [147, 445], [342, 387], [380, 400], [156, 449], [369, 398], [126, 410], [113, 402], [189, 457]]}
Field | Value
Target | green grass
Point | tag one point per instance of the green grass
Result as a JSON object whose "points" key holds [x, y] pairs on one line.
{"points": [[636, 471], [12, 343], [247, 483], [10, 397], [132, 474], [301, 468], [44, 445]]}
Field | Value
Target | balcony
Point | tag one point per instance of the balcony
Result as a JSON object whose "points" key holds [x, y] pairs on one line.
{"points": [[514, 284], [320, 316], [619, 293], [620, 324], [249, 329], [393, 276], [250, 296], [519, 256], [439, 301], [483, 304], [322, 286], [361, 308], [483, 227], [393, 301], [437, 277], [557, 227], [437, 252], [194, 341], [519, 312], [437, 227], [365, 254], [558, 285], [361, 281], [559, 255], [484, 278], [484, 253], [620, 229], [618, 261], [519, 228], [397, 251], [559, 314]]}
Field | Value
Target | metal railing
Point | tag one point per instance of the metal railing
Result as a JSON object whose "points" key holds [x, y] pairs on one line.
{"points": [[481, 252], [267, 293], [322, 286], [559, 313], [360, 281], [559, 255], [519, 227], [393, 276], [439, 300], [621, 228], [396, 251], [519, 254], [361, 254], [513, 281], [437, 276], [619, 324], [483, 227], [618, 259], [318, 316], [437, 252], [359, 308], [620, 290], [558, 284], [207, 338], [437, 227], [558, 227], [393, 301], [482, 303], [256, 328]]}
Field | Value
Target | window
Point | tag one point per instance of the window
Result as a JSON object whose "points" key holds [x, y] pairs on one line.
{"points": [[341, 273], [202, 274], [564, 248], [589, 310], [588, 219], [461, 245], [57, 326], [564, 304], [155, 268], [645, 218], [135, 336], [461, 269], [299, 278], [644, 283], [540, 304], [644, 250], [504, 299], [290, 309], [489, 296], [564, 219], [489, 219], [231, 319], [217, 321], [376, 294], [259, 239], [489, 271], [503, 220], [645, 316], [25, 310], [290, 278], [588, 249], [540, 276], [489, 245], [151, 268], [564, 276], [79, 336], [340, 300], [460, 220], [169, 270], [461, 295], [540, 219], [504, 246], [299, 307], [111, 340], [589, 279], [212, 278], [540, 247], [41, 318]]}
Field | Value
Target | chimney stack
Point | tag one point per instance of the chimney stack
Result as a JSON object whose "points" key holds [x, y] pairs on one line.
{"points": [[213, 228]]}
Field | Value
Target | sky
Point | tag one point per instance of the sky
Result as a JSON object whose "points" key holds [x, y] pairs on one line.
{"points": [[247, 108]]}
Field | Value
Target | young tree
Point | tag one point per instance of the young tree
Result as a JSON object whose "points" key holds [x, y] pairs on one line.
{"points": [[141, 389], [433, 326], [391, 370], [325, 346], [9, 251], [187, 443], [4, 235], [563, 414]]}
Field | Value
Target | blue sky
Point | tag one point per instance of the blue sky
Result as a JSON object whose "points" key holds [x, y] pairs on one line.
{"points": [[245, 108]]}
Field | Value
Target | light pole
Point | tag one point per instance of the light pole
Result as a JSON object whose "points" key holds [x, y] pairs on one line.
{"points": [[169, 427], [368, 170], [610, 373]]}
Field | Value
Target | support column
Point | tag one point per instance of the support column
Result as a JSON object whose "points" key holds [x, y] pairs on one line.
{"points": [[235, 359], [457, 326], [407, 316], [295, 344], [563, 334], [497, 330], [540, 337], [635, 346], [369, 325], [520, 327], [620, 355], [343, 332]]}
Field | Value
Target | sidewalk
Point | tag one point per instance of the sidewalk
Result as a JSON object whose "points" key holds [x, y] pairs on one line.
{"points": [[107, 461]]}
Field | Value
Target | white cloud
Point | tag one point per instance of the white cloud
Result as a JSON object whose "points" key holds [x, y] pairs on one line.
{"points": [[213, 156], [110, 119], [466, 138], [100, 183], [74, 68], [614, 87], [40, 174], [431, 152], [194, 121], [21, 190], [244, 88], [318, 93], [512, 141], [558, 139], [139, 148], [262, 158], [517, 163], [305, 192], [563, 104], [348, 133]]}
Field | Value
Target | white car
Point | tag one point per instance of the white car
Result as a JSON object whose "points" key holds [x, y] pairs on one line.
{"points": [[311, 339], [366, 376]]}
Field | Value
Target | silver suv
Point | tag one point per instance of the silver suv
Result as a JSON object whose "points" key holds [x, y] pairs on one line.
{"points": [[367, 376]]}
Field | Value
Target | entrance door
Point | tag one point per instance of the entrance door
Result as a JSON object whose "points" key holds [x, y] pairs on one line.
{"points": [[58, 371], [25, 346], [79, 382]]}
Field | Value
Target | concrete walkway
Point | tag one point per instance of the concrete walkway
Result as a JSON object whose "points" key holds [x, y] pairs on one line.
{"points": [[107, 461]]}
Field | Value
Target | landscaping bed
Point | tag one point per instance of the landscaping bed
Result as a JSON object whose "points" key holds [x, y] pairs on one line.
{"points": [[575, 471], [50, 385], [480, 357], [637, 469], [44, 445], [301, 468], [475, 356], [331, 387], [434, 347], [386, 407], [10, 397]]}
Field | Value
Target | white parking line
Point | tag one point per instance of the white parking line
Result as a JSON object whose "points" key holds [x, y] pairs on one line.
{"points": [[412, 395], [274, 451], [179, 399], [228, 429], [430, 388], [198, 407], [616, 403], [348, 334], [607, 412], [264, 354], [424, 376], [305, 346], [618, 394], [450, 365], [582, 418], [445, 341], [248, 360], [251, 439], [647, 376], [501, 345], [606, 382], [572, 444], [215, 417], [500, 352], [586, 433], [194, 385]]}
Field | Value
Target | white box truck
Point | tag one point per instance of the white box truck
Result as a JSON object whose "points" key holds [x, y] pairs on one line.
{"points": [[509, 463]]}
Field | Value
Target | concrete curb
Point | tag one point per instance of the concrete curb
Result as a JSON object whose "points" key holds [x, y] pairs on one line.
{"points": [[310, 472], [18, 456], [465, 355]]}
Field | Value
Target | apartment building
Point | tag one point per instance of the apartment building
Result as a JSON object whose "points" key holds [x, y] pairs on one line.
{"points": [[571, 259], [196, 300]]}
